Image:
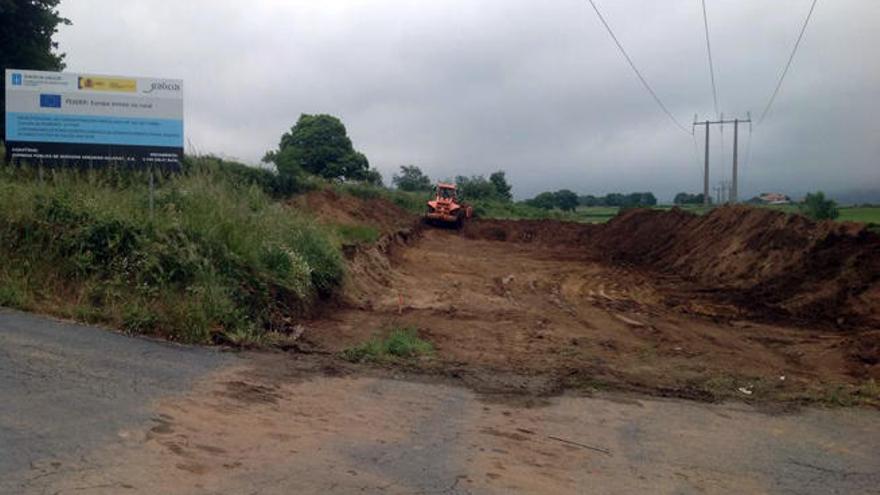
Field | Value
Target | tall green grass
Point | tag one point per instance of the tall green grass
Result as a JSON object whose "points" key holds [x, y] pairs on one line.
{"points": [[216, 256], [413, 202]]}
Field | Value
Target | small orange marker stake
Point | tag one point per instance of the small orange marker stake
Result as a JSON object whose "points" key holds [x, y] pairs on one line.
{"points": [[399, 303]]}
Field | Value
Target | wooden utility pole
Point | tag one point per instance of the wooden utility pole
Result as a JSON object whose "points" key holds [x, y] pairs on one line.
{"points": [[734, 187]]}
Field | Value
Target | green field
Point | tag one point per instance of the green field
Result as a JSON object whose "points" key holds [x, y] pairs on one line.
{"points": [[598, 214], [867, 214]]}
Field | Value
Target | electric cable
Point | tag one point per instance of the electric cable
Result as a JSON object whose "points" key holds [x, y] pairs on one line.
{"points": [[636, 70], [788, 64], [711, 64]]}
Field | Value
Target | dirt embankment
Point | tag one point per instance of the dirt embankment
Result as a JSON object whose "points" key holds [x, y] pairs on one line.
{"points": [[370, 265], [765, 261], [332, 207], [550, 232]]}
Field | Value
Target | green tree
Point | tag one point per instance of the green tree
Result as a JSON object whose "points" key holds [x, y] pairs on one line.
{"points": [[637, 199], [818, 207], [26, 30], [545, 200], [502, 188], [590, 200], [374, 177], [411, 178], [684, 198], [319, 145], [615, 199], [565, 200], [476, 187]]}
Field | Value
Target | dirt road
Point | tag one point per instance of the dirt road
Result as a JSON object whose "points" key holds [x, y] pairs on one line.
{"points": [[543, 317], [117, 422]]}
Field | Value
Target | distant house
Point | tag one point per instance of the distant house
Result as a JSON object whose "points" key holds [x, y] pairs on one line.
{"points": [[774, 198]]}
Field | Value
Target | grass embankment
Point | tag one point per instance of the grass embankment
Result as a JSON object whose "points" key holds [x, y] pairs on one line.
{"points": [[218, 259], [413, 202]]}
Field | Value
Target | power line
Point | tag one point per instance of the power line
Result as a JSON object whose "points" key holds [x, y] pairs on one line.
{"points": [[711, 65], [639, 74], [788, 64]]}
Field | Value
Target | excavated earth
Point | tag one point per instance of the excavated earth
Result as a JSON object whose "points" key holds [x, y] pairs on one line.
{"points": [[741, 302]]}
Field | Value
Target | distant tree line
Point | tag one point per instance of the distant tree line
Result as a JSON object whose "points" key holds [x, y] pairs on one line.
{"points": [[689, 199], [631, 200], [562, 199], [476, 187]]}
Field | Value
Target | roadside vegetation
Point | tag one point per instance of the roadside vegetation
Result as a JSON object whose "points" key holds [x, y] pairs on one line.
{"points": [[399, 343], [216, 255]]}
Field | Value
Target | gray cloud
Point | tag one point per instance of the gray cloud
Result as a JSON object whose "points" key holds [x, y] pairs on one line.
{"points": [[534, 88]]}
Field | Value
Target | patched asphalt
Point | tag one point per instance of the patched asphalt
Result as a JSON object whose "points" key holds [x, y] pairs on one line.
{"points": [[67, 388]]}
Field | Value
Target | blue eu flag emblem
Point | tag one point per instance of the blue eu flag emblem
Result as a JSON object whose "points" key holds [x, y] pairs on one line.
{"points": [[16, 79], [50, 101]]}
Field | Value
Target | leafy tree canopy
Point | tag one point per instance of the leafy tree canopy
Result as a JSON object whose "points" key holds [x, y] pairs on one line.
{"points": [[26, 32], [479, 188], [545, 200], [319, 145], [684, 198], [563, 199], [566, 200], [502, 188], [411, 178]]}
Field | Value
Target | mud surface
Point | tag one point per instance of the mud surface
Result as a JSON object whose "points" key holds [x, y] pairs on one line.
{"points": [[538, 307], [279, 426]]}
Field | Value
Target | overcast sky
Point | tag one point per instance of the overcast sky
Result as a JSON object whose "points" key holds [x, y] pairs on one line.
{"points": [[537, 89]]}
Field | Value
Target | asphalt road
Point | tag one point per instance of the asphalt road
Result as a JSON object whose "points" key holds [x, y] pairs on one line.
{"points": [[67, 389], [88, 411]]}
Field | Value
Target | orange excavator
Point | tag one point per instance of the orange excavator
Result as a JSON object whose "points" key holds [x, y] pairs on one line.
{"points": [[446, 209]]}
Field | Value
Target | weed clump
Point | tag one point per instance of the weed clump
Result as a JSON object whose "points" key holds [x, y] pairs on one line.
{"points": [[403, 342]]}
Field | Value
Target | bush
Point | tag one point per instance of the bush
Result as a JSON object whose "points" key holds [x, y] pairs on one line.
{"points": [[817, 207], [411, 178]]}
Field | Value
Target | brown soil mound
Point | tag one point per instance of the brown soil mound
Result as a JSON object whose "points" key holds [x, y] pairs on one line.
{"points": [[764, 259], [539, 231], [330, 206]]}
